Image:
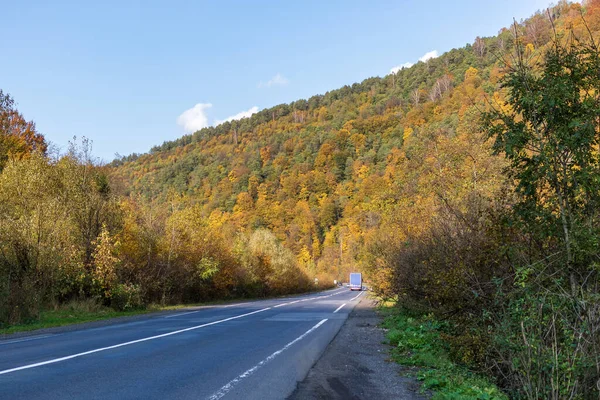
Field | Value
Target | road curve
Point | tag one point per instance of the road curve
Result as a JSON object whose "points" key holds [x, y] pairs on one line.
{"points": [[253, 350]]}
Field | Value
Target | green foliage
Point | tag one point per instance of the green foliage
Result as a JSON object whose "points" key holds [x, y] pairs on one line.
{"points": [[417, 341], [549, 131], [126, 297], [207, 268], [550, 135], [543, 340]]}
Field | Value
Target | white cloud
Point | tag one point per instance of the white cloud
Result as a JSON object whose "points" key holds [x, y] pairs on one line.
{"points": [[429, 56], [277, 80], [399, 67], [195, 118], [240, 115]]}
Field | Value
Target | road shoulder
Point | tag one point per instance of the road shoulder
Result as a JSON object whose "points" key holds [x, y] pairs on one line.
{"points": [[356, 364]]}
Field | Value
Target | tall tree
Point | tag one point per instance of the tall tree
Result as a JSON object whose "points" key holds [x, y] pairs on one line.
{"points": [[550, 134], [18, 137]]}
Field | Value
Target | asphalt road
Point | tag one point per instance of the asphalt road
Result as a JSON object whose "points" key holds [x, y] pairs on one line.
{"points": [[253, 350]]}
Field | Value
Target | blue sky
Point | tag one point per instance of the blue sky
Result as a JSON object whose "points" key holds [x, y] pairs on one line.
{"points": [[132, 74]]}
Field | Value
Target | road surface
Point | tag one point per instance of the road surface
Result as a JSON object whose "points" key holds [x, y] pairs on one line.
{"points": [[253, 350]]}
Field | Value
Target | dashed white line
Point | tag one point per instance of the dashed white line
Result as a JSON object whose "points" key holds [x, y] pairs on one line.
{"points": [[356, 297], [339, 308], [55, 360], [226, 388], [285, 304]]}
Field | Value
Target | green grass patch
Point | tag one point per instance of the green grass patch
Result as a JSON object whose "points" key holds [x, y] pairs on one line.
{"points": [[417, 342]]}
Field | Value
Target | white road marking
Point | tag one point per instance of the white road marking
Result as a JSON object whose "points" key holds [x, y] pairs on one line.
{"points": [[181, 314], [308, 299], [241, 304], [202, 308], [55, 360], [285, 304], [339, 308], [356, 297], [27, 339], [225, 389]]}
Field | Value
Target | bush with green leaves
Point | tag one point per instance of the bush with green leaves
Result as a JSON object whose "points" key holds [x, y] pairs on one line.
{"points": [[125, 296], [417, 341], [547, 340]]}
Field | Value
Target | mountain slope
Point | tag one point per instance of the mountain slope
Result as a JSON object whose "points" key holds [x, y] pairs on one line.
{"points": [[324, 173]]}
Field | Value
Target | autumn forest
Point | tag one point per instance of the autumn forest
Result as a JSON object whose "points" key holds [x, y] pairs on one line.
{"points": [[465, 187]]}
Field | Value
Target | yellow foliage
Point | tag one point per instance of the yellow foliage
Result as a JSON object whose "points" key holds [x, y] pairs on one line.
{"points": [[105, 261], [216, 219], [231, 176], [471, 73], [530, 48], [362, 172]]}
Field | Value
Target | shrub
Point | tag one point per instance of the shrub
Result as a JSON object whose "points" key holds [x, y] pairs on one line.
{"points": [[126, 297]]}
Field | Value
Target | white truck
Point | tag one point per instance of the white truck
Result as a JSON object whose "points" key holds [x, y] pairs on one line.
{"points": [[355, 281]]}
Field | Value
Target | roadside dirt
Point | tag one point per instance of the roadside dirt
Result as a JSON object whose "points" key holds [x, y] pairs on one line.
{"points": [[356, 365]]}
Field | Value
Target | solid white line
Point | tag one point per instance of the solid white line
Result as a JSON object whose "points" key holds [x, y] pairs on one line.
{"points": [[339, 308], [225, 389], [308, 299], [239, 304], [39, 364], [180, 314], [233, 305], [202, 308], [27, 339], [356, 297]]}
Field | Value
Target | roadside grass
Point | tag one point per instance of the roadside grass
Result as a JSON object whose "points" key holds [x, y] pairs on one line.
{"points": [[417, 342], [89, 310]]}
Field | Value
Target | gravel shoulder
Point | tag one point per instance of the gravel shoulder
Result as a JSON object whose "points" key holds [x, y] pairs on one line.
{"points": [[356, 365]]}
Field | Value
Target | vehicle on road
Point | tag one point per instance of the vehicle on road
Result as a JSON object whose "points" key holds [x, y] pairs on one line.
{"points": [[355, 281]]}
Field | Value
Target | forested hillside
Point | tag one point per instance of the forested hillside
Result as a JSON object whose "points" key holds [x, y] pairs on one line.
{"points": [[465, 187], [330, 175], [326, 174]]}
